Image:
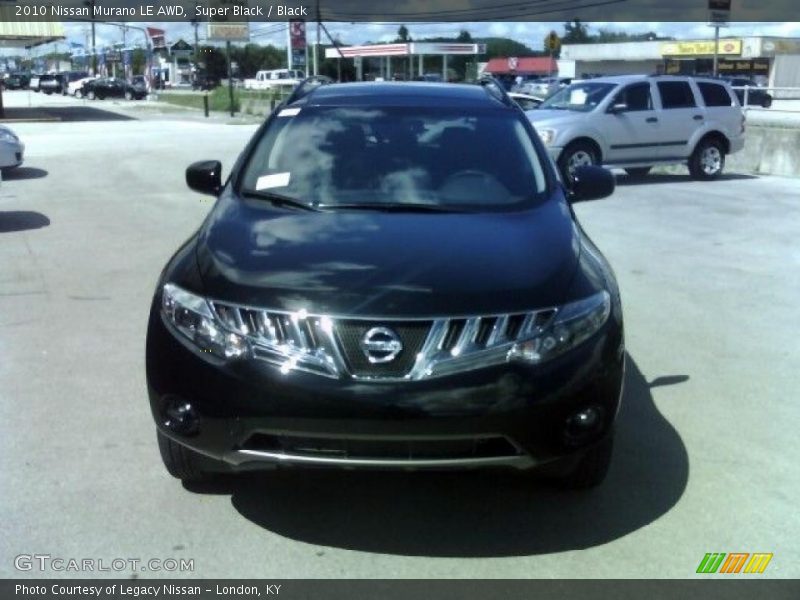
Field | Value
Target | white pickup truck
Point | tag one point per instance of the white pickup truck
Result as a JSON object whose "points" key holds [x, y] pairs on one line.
{"points": [[277, 77]]}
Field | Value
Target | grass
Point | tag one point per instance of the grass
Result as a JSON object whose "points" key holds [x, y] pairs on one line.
{"points": [[219, 99]]}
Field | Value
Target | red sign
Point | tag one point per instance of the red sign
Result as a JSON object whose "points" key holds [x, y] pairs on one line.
{"points": [[297, 34]]}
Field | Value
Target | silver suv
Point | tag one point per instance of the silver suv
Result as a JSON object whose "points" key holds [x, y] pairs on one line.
{"points": [[638, 121]]}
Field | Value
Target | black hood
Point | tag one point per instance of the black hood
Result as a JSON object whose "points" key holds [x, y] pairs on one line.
{"points": [[362, 263]]}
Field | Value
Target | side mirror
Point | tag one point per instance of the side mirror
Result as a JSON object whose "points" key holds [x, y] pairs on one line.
{"points": [[205, 177], [617, 108], [591, 183]]}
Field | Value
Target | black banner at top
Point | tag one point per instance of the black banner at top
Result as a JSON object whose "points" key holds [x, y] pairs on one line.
{"points": [[391, 11]]}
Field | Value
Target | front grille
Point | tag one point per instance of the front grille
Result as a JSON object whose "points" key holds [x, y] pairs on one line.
{"points": [[412, 334], [332, 346], [381, 449]]}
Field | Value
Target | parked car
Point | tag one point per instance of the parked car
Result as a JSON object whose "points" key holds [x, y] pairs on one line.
{"points": [[204, 81], [138, 87], [638, 121], [343, 305], [755, 95], [66, 78], [75, 88], [545, 86], [526, 101], [12, 150], [111, 87], [275, 77], [17, 81], [33, 83], [49, 84]]}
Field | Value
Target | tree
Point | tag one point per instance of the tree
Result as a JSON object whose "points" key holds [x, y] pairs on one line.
{"points": [[402, 34], [213, 62], [138, 61], [575, 32]]}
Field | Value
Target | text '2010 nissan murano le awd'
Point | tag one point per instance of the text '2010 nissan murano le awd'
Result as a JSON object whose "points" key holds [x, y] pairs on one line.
{"points": [[391, 277]]}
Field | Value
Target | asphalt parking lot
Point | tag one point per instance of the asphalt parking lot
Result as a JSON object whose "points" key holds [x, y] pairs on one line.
{"points": [[707, 438]]}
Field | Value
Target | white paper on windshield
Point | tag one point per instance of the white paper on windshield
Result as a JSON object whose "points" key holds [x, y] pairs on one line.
{"points": [[577, 97], [289, 112], [274, 180]]}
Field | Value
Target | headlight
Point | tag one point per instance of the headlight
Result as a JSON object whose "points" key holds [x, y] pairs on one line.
{"points": [[547, 136], [8, 137], [573, 324], [192, 316]]}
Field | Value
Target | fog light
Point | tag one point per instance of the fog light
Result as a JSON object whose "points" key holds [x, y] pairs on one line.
{"points": [[180, 416], [584, 425]]}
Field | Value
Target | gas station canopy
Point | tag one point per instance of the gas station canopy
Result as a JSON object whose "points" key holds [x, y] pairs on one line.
{"points": [[419, 49], [14, 34]]}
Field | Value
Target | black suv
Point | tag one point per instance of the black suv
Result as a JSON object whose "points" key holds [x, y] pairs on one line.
{"points": [[392, 277], [205, 82]]}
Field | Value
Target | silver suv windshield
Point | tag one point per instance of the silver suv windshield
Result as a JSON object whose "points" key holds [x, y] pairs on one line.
{"points": [[581, 97], [395, 157]]}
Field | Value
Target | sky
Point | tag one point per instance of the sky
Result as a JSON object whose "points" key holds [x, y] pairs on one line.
{"points": [[529, 33]]}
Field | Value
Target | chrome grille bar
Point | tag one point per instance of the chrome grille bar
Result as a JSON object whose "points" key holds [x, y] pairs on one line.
{"points": [[298, 341]]}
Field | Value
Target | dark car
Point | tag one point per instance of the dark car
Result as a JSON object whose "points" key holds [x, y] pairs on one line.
{"points": [[138, 86], [111, 87], [756, 96], [205, 81], [391, 277], [17, 81]]}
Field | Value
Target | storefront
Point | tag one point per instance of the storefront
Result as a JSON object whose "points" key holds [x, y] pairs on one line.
{"points": [[754, 57]]}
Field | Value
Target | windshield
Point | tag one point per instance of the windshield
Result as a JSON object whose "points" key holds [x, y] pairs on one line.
{"points": [[445, 158], [581, 97]]}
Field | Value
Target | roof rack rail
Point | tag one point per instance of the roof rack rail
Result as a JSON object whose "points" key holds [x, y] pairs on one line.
{"points": [[495, 89], [305, 87]]}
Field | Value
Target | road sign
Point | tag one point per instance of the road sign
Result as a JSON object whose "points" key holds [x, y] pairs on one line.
{"points": [[552, 42], [719, 11], [220, 29]]}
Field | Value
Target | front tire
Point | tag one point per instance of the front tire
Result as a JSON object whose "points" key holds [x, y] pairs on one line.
{"points": [[708, 160], [592, 468], [181, 462], [577, 154]]}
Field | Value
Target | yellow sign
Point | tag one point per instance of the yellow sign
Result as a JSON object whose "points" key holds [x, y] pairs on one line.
{"points": [[551, 42], [701, 48]]}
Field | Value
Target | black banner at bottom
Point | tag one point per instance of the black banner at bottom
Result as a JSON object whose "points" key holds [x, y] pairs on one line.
{"points": [[400, 589]]}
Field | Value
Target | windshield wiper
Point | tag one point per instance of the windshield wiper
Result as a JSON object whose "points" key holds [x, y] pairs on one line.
{"points": [[389, 207], [279, 200]]}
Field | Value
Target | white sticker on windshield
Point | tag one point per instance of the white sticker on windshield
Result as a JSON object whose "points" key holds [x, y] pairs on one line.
{"points": [[272, 181], [577, 97], [289, 112]]}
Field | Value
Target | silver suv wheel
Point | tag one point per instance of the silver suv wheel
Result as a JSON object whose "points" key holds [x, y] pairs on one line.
{"points": [[711, 160]]}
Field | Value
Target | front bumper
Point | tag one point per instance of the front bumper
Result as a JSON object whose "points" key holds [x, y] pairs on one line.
{"points": [[248, 415], [11, 154]]}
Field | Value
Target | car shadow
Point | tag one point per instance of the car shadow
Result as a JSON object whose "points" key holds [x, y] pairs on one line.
{"points": [[21, 220], [24, 173], [480, 513], [651, 178]]}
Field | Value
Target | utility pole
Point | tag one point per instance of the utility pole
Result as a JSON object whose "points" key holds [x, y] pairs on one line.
{"points": [[196, 24], [716, 48], [316, 46], [90, 4]]}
